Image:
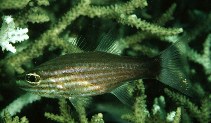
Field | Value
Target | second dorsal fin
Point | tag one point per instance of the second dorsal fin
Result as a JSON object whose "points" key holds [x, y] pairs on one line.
{"points": [[109, 44]]}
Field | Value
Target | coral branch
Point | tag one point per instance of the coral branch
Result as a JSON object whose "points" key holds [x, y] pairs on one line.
{"points": [[19, 103], [202, 114]]}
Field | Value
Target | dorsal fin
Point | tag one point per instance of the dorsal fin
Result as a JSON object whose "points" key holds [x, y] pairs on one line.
{"points": [[109, 44], [76, 44]]}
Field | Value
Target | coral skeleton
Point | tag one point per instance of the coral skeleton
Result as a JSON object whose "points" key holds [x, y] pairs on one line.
{"points": [[11, 34]]}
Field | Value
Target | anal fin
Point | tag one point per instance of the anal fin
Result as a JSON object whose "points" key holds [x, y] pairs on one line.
{"points": [[80, 101], [123, 93]]}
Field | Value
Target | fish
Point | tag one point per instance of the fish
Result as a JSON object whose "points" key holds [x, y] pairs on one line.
{"points": [[93, 73]]}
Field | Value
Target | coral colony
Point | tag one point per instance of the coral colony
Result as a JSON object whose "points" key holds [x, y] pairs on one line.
{"points": [[33, 32]]}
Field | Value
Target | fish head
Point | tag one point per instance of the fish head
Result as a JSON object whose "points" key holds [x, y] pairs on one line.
{"points": [[34, 82]]}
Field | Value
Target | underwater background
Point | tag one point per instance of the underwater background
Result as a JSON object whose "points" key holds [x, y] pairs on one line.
{"points": [[35, 31]]}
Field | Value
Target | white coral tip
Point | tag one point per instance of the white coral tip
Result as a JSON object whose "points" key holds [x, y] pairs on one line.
{"points": [[8, 19], [7, 46]]}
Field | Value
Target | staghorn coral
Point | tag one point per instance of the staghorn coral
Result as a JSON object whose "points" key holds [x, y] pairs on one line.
{"points": [[142, 28]]}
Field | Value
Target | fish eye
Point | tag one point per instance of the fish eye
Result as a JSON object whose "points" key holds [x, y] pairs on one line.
{"points": [[32, 78]]}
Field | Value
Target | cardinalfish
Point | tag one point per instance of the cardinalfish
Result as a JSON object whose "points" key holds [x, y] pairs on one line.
{"points": [[98, 72]]}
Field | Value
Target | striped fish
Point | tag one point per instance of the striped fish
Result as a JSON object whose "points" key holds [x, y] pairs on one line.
{"points": [[95, 73]]}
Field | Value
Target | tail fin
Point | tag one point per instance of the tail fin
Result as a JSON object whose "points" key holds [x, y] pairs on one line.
{"points": [[174, 68]]}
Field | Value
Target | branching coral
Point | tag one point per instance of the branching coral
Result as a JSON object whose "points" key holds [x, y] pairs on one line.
{"points": [[134, 40], [10, 34], [142, 115], [202, 114], [19, 103], [8, 118], [50, 29], [205, 58], [10, 4], [177, 118], [66, 117], [140, 112]]}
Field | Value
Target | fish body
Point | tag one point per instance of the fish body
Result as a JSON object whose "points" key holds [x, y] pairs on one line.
{"points": [[86, 74], [95, 73]]}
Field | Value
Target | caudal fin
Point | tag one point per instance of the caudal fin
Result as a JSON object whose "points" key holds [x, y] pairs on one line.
{"points": [[174, 68]]}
